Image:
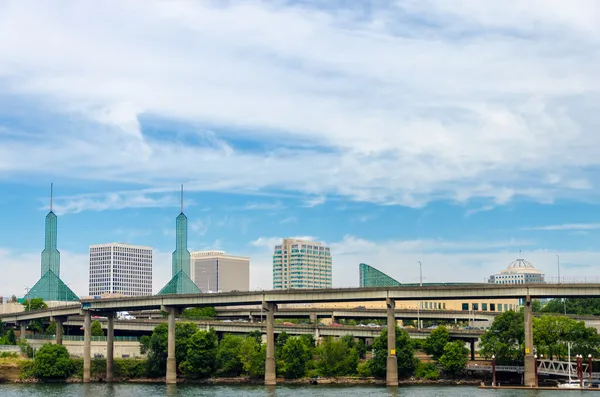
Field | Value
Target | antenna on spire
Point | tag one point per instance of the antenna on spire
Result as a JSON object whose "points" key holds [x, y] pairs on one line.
{"points": [[519, 254], [182, 198], [51, 193]]}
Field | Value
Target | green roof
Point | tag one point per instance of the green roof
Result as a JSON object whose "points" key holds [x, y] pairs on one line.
{"points": [[51, 288], [180, 284], [371, 277]]}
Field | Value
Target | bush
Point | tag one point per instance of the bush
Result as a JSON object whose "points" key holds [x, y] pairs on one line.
{"points": [[52, 362], [26, 368], [454, 359], [363, 370], [130, 368], [9, 355], [427, 371], [26, 349]]}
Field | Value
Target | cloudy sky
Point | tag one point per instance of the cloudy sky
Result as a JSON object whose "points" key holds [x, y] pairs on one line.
{"points": [[452, 133]]}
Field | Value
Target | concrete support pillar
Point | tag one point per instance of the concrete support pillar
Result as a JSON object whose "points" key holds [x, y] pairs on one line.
{"points": [[529, 376], [391, 378], [87, 345], [317, 335], [171, 377], [472, 343], [313, 318], [59, 330], [23, 326], [110, 347], [270, 370]]}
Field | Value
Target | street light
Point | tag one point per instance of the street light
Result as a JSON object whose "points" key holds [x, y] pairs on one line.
{"points": [[420, 302], [558, 267]]}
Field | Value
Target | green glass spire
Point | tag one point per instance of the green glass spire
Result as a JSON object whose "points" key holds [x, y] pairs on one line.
{"points": [[181, 256], [180, 262], [371, 277], [50, 254]]}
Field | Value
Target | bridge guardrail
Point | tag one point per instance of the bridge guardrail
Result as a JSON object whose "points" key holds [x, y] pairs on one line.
{"points": [[80, 338]]}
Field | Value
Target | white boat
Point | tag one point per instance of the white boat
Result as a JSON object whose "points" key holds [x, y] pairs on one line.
{"points": [[571, 384]]}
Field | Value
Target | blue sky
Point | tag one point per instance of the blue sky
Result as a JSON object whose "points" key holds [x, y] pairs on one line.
{"points": [[395, 131]]}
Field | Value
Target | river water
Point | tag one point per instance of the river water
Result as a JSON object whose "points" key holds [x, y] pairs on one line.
{"points": [[144, 390]]}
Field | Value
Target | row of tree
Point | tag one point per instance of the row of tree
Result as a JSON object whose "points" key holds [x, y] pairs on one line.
{"points": [[551, 336]]}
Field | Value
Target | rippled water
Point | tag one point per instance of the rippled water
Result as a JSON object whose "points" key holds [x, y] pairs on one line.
{"points": [[131, 390]]}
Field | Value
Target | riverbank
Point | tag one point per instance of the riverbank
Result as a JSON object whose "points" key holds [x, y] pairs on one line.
{"points": [[223, 381]]}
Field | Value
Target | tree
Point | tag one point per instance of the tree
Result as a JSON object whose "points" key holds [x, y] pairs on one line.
{"points": [[201, 355], [10, 337], [257, 335], [551, 334], [52, 362], [252, 356], [407, 362], [427, 371], [144, 344], [34, 304], [454, 359], [436, 341], [228, 361], [580, 306], [295, 355], [360, 346], [157, 346], [97, 328], [199, 313], [504, 339], [337, 358], [51, 329]]}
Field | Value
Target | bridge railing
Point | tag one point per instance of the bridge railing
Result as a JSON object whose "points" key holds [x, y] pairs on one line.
{"points": [[79, 338]]}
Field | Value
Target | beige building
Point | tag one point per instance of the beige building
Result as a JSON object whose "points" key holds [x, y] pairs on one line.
{"points": [[301, 264], [215, 271]]}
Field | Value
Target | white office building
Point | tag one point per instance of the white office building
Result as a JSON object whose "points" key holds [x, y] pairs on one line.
{"points": [[301, 264], [518, 272], [117, 268], [216, 271]]}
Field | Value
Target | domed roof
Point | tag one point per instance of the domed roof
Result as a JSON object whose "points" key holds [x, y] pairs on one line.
{"points": [[521, 266]]}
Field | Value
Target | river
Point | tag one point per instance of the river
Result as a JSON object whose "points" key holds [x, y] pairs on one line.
{"points": [[145, 390]]}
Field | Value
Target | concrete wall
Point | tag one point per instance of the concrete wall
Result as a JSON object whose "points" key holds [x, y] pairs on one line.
{"points": [[75, 348]]}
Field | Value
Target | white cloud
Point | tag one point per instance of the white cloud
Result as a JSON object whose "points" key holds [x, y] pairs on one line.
{"points": [[567, 226], [364, 104], [111, 201], [199, 226], [313, 202]]}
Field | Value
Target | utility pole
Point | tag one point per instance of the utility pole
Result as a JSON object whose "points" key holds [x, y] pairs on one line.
{"points": [[420, 302]]}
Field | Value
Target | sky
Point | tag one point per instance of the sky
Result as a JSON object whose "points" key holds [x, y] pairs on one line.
{"points": [[461, 135]]}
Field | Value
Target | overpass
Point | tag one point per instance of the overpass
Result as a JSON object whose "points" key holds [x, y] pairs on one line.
{"points": [[173, 304]]}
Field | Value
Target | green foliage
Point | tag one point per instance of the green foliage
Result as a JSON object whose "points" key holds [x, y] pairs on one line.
{"points": [[228, 361], [337, 357], [252, 356], [157, 351], [97, 328], [407, 362], [201, 355], [52, 362], [257, 335], [144, 344], [427, 371], [436, 341], [51, 329], [9, 355], [10, 337], [26, 349], [504, 339], [454, 359], [130, 368], [157, 346], [34, 304], [280, 342], [551, 334], [199, 313], [295, 356], [580, 306], [26, 369], [363, 370]]}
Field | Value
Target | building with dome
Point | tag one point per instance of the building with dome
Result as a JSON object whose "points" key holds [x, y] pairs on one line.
{"points": [[518, 272]]}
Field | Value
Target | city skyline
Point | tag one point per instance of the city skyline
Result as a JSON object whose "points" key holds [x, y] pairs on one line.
{"points": [[394, 133]]}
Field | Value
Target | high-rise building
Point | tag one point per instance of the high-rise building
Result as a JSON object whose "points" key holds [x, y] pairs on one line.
{"points": [[215, 271], [180, 282], [301, 264], [117, 268], [50, 287]]}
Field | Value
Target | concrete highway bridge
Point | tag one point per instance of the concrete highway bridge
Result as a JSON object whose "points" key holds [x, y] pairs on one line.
{"points": [[270, 300]]}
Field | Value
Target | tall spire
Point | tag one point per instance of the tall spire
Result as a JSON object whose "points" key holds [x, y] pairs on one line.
{"points": [[182, 198], [50, 254]]}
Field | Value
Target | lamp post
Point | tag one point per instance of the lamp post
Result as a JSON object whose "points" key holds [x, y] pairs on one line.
{"points": [[535, 365], [558, 267], [493, 370], [590, 366], [420, 302]]}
